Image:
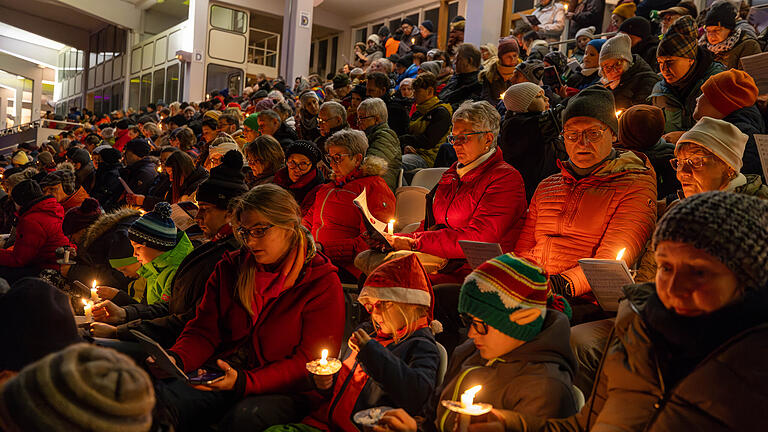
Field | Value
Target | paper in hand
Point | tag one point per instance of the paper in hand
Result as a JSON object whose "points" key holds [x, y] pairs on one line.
{"points": [[762, 148], [125, 186], [374, 227], [479, 252], [606, 278]]}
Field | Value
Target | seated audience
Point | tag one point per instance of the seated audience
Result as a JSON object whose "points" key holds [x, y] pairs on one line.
{"points": [[551, 16], [382, 140], [270, 123], [84, 171], [583, 37], [589, 74], [140, 170], [268, 309], [464, 84], [429, 127], [301, 175], [265, 158], [331, 118], [306, 116], [627, 75], [499, 73], [723, 39], [685, 67], [61, 184], [107, 187], [602, 201]]}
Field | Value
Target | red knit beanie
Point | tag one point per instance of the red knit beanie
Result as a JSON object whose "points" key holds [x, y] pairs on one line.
{"points": [[730, 90], [508, 44]]}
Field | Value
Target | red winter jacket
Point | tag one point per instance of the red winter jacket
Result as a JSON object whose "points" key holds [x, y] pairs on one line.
{"points": [[593, 217], [38, 235], [290, 331], [487, 204], [121, 140], [335, 221]]}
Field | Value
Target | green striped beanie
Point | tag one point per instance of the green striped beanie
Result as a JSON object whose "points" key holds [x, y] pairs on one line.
{"points": [[501, 286], [155, 229]]}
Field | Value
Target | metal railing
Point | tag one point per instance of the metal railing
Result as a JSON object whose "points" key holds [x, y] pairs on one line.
{"points": [[569, 41]]}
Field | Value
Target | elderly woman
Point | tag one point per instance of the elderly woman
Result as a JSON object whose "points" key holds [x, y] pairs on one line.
{"points": [[429, 126], [488, 206], [334, 220], [265, 157], [268, 309], [306, 118], [727, 43], [686, 352], [496, 77], [301, 176], [684, 68], [382, 140], [626, 74]]}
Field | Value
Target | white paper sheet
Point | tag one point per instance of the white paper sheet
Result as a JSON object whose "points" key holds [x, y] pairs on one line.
{"points": [[362, 202], [479, 252], [757, 67], [762, 148], [606, 278]]}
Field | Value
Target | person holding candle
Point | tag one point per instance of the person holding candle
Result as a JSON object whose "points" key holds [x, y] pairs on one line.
{"points": [[393, 362], [268, 309], [495, 78]]}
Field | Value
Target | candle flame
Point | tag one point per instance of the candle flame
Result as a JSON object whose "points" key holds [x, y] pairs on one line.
{"points": [[324, 357], [159, 169], [85, 302], [621, 254], [391, 226], [501, 96], [468, 397], [413, 40], [618, 113], [93, 285], [566, 7]]}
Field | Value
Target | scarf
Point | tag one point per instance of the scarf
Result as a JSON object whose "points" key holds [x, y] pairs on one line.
{"points": [[461, 170], [426, 106], [308, 121], [725, 45], [224, 231], [352, 176], [589, 71], [505, 71]]}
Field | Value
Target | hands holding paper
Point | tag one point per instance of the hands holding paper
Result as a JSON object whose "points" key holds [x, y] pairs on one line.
{"points": [[400, 242]]}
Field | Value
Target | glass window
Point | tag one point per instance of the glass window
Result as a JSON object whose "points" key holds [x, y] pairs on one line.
{"points": [[453, 12], [432, 15], [109, 44], [361, 34], [117, 97], [223, 77], [97, 101], [133, 93], [376, 27], [158, 85], [322, 57], [172, 83], [93, 49], [146, 90], [119, 41], [228, 19], [414, 19], [102, 46], [334, 53]]}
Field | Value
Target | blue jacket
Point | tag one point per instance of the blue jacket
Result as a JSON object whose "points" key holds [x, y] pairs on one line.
{"points": [[411, 72]]}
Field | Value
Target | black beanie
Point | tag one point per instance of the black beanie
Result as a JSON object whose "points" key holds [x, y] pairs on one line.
{"points": [[306, 148], [340, 80], [225, 182], [110, 155], [122, 124], [405, 60], [80, 156], [28, 337], [721, 13], [138, 146], [636, 26], [26, 192], [178, 120], [81, 216], [596, 102]]}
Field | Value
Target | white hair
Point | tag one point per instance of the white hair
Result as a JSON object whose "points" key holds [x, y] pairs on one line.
{"points": [[374, 107], [481, 114], [276, 95]]}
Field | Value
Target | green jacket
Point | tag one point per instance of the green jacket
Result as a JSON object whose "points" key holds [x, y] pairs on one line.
{"points": [[159, 273], [384, 143]]}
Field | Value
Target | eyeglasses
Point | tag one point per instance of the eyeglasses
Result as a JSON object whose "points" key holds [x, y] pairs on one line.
{"points": [[300, 165], [695, 162], [363, 118], [462, 139], [481, 327], [338, 157], [380, 305], [616, 67], [592, 135], [258, 231]]}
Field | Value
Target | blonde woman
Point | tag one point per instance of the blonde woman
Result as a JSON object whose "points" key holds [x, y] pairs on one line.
{"points": [[268, 309]]}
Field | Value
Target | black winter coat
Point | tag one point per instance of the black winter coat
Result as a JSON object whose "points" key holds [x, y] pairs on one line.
{"points": [[107, 187], [86, 177], [751, 122], [646, 49], [636, 84], [462, 87], [397, 114], [140, 176], [285, 136], [188, 187]]}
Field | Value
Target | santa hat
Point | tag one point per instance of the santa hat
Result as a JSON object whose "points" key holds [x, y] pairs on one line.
{"points": [[401, 280]]}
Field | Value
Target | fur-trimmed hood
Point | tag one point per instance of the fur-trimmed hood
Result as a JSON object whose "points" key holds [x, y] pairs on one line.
{"points": [[107, 222], [371, 166], [65, 166]]}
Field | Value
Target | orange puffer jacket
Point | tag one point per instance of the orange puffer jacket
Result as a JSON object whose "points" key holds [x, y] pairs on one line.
{"points": [[593, 217]]}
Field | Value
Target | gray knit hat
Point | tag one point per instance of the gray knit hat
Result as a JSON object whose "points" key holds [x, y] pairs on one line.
{"points": [[532, 69], [617, 47], [731, 227], [596, 102], [518, 97], [82, 388], [586, 31]]}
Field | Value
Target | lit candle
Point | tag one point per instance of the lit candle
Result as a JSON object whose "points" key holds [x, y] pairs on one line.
{"points": [[66, 255], [468, 397], [324, 365], [566, 7], [94, 293], [160, 168], [621, 254], [324, 357], [391, 226], [618, 113], [501, 96], [413, 40], [88, 310]]}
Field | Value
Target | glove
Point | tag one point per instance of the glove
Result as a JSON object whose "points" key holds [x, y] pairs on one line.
{"points": [[560, 285]]}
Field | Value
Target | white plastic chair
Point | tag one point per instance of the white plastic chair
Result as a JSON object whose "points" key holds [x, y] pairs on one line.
{"points": [[427, 177], [444, 365], [411, 205], [579, 396]]}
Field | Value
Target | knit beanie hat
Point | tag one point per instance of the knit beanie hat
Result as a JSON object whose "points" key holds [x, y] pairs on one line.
{"points": [[636, 26], [617, 47], [721, 13], [260, 94], [340, 80], [595, 101], [499, 287], [64, 175], [518, 97], [224, 147], [225, 182], [720, 137], [506, 45], [20, 158], [28, 337], [641, 127], [155, 229], [81, 216], [80, 156], [401, 280], [46, 159], [427, 24], [434, 67], [731, 227], [214, 114], [26, 192], [730, 90], [82, 388], [586, 31], [625, 10], [138, 146], [252, 122], [98, 149], [110, 155], [680, 40], [108, 133], [597, 44], [306, 148], [533, 70]]}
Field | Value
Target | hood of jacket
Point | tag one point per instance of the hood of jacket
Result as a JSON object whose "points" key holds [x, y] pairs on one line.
{"points": [[171, 258], [108, 222], [625, 161], [46, 205], [371, 166], [754, 187]]}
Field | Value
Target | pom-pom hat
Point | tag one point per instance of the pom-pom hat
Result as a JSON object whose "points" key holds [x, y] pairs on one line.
{"points": [[155, 229]]}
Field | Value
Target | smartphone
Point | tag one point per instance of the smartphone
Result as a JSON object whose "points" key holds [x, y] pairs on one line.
{"points": [[207, 378], [552, 78]]}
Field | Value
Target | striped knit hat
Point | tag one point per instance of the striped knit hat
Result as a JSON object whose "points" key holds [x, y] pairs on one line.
{"points": [[155, 229], [501, 286]]}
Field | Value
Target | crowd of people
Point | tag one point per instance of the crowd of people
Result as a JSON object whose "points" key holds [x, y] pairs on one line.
{"points": [[231, 233]]}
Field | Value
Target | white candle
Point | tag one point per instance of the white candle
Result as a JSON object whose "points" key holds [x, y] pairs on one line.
{"points": [[391, 226], [66, 256], [88, 310], [94, 293], [621, 254], [324, 357]]}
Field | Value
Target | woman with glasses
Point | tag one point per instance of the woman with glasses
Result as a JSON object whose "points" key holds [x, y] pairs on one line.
{"points": [[301, 176], [265, 157], [727, 42], [334, 220], [268, 309], [626, 74]]}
